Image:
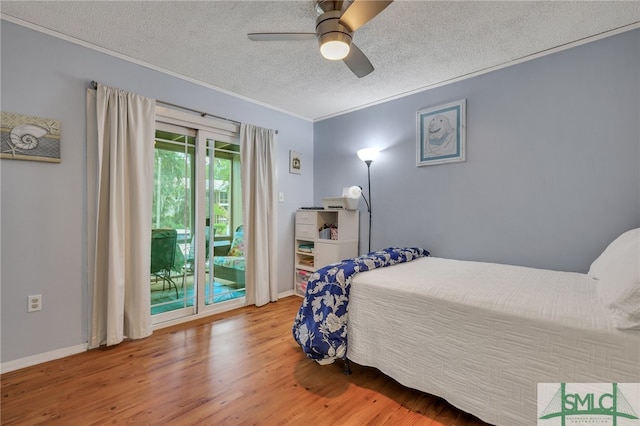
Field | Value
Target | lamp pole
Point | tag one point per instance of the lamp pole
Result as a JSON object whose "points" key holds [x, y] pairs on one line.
{"points": [[368, 162], [368, 155]]}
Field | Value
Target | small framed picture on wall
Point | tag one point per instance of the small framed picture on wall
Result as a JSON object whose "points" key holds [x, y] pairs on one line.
{"points": [[26, 137], [295, 162]]}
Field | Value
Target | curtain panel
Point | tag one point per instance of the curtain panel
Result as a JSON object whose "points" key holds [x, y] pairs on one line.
{"points": [[258, 165], [120, 209]]}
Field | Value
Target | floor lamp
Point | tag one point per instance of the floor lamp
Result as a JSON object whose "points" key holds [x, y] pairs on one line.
{"points": [[368, 155]]}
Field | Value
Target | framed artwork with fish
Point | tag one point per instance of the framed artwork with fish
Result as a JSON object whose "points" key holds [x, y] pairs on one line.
{"points": [[29, 138], [441, 134]]}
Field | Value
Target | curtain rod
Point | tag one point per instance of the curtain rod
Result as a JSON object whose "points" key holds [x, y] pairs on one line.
{"points": [[94, 85]]}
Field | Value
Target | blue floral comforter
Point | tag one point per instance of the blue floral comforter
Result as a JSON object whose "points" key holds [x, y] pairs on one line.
{"points": [[320, 327]]}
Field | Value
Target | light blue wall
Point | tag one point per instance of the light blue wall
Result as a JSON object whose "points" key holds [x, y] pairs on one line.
{"points": [[553, 162], [43, 206], [553, 169]]}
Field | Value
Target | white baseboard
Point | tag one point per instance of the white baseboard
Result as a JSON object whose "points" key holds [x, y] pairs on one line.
{"points": [[17, 364], [285, 294]]}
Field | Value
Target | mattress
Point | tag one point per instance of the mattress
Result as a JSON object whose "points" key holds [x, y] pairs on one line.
{"points": [[483, 335]]}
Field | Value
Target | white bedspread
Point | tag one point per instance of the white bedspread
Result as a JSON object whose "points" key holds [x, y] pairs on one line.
{"points": [[483, 335]]}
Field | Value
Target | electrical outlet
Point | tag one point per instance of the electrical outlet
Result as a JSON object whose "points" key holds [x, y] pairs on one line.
{"points": [[281, 197], [34, 303]]}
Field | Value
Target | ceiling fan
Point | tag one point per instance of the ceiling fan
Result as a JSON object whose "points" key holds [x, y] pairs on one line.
{"points": [[336, 23]]}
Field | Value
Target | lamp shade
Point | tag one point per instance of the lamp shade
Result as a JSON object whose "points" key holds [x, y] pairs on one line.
{"points": [[368, 154], [352, 192]]}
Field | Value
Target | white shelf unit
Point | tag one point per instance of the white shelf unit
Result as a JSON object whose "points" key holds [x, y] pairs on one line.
{"points": [[313, 252]]}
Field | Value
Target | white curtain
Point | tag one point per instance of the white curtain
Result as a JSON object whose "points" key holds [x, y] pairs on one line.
{"points": [[120, 262], [258, 163]]}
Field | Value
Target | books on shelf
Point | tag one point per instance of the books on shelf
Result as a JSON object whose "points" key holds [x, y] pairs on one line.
{"points": [[307, 261]]}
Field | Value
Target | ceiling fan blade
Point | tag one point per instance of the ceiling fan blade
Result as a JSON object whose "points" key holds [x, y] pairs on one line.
{"points": [[281, 36], [357, 62], [362, 11]]}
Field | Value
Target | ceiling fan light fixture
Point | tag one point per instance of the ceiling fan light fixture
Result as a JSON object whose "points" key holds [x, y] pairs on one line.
{"points": [[336, 22], [335, 45], [335, 50]]}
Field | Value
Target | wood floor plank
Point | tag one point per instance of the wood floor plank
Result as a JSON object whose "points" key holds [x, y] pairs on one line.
{"points": [[237, 368]]}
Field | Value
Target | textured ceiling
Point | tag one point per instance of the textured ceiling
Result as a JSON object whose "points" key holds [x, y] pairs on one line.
{"points": [[412, 44]]}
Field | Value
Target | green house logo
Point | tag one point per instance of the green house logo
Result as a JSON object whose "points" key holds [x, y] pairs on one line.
{"points": [[588, 403]]}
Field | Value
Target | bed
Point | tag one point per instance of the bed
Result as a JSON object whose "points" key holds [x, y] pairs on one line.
{"points": [[483, 335]]}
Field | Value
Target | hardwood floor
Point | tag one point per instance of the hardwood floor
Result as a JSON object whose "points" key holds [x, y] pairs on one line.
{"points": [[238, 368]]}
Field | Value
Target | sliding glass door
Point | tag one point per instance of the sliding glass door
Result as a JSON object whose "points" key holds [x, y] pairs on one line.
{"points": [[225, 252], [197, 241], [173, 233]]}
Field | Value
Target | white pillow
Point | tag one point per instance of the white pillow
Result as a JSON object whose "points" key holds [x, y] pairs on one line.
{"points": [[626, 241], [618, 273]]}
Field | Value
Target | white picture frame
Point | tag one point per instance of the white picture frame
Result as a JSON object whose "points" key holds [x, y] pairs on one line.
{"points": [[295, 162]]}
